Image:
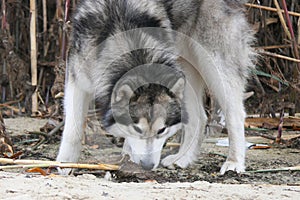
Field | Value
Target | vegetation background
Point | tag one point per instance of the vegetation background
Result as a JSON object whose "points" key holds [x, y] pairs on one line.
{"points": [[33, 45]]}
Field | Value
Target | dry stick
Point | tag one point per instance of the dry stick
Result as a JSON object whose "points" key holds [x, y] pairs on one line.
{"points": [[3, 22], [294, 42], [275, 46], [299, 30], [3, 27], [285, 28], [279, 135], [33, 54], [270, 9], [296, 168], [46, 136], [41, 141], [41, 163], [11, 102], [45, 26], [26, 162], [14, 109], [64, 39], [53, 131], [270, 137], [172, 144], [296, 70], [279, 56]]}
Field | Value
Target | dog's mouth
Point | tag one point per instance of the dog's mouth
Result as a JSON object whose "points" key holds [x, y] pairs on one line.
{"points": [[147, 162], [147, 165], [143, 152]]}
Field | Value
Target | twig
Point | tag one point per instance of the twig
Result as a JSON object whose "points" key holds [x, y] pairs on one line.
{"points": [[44, 138], [296, 168], [275, 47], [217, 154], [33, 55], [298, 40], [279, 56], [172, 144], [293, 38], [270, 9], [3, 22], [53, 131], [270, 137], [11, 102], [41, 163], [45, 27], [64, 39], [280, 14], [14, 109], [279, 135]]}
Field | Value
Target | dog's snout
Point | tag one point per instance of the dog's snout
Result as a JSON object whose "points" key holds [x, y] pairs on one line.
{"points": [[147, 165]]}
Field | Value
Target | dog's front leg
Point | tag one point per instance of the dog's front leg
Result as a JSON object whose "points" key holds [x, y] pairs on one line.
{"points": [[235, 116], [193, 133], [76, 106]]}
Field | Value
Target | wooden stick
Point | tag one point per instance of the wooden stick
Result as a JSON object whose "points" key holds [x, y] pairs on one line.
{"points": [[58, 126], [64, 39], [45, 27], [33, 54], [270, 9], [171, 144], [280, 56], [296, 71], [42, 163], [11, 102], [282, 20], [25, 162], [274, 46], [296, 168], [299, 30]]}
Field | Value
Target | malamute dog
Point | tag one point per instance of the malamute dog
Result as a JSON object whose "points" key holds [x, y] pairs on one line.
{"points": [[147, 65]]}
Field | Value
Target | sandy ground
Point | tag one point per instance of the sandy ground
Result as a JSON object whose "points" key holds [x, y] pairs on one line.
{"points": [[22, 185], [28, 187]]}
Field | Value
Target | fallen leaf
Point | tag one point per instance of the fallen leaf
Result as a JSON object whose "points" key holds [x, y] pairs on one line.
{"points": [[37, 170]]}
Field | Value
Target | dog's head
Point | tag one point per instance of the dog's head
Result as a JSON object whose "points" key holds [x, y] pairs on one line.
{"points": [[146, 116]]}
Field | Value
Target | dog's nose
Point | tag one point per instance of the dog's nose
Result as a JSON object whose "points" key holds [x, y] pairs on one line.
{"points": [[147, 165]]}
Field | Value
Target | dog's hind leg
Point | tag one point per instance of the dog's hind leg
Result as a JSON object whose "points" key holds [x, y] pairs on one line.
{"points": [[76, 107], [197, 119]]}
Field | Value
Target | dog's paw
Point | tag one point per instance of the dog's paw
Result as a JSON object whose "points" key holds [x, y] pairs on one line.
{"points": [[63, 158], [232, 166], [170, 160], [65, 171]]}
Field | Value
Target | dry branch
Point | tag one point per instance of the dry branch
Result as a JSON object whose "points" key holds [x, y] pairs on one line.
{"points": [[279, 56], [282, 20], [296, 168], [271, 9], [33, 54], [41, 163]]}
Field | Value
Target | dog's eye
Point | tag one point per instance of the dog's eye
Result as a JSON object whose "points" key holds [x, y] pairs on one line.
{"points": [[137, 129], [160, 131]]}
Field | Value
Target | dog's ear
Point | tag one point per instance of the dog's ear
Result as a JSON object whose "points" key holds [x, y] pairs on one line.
{"points": [[123, 92], [178, 88]]}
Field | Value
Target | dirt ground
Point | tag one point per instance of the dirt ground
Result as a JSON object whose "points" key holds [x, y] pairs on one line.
{"points": [[201, 180]]}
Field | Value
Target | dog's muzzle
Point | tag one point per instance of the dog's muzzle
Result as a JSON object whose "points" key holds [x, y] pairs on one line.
{"points": [[147, 165]]}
